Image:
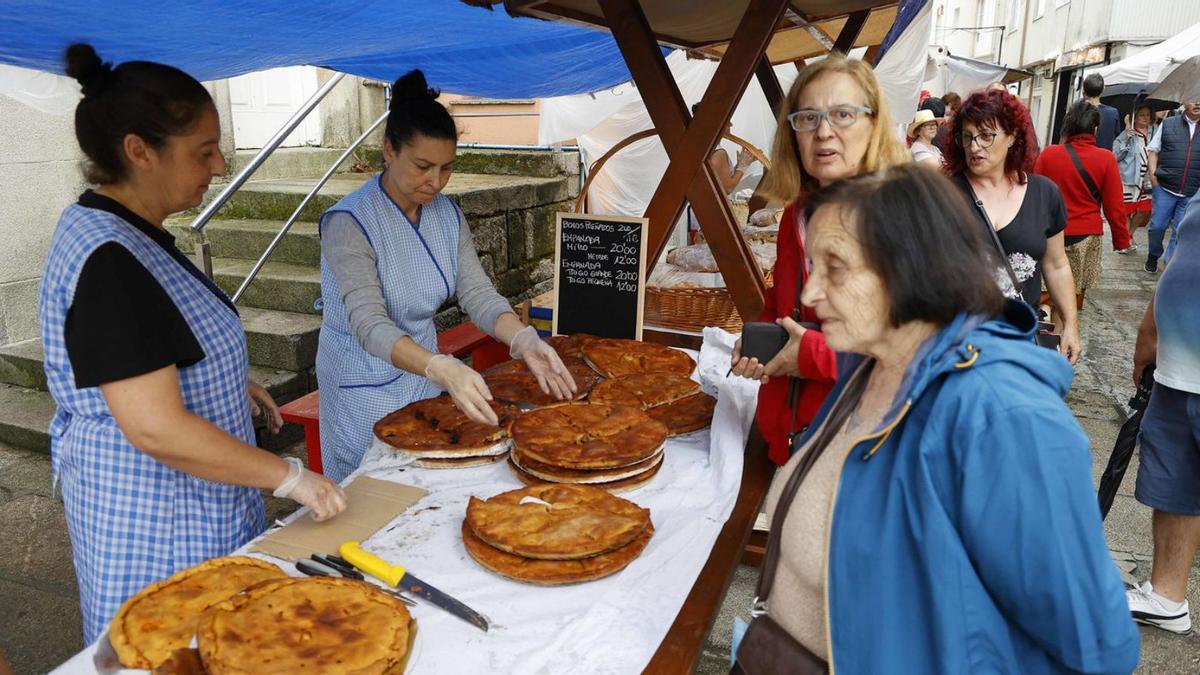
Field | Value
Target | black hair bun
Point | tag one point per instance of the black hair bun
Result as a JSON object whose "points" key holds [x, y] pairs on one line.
{"points": [[84, 64], [412, 86]]}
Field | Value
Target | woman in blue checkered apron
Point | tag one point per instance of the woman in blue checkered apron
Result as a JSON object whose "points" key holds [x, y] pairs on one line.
{"points": [[152, 443], [392, 253]]}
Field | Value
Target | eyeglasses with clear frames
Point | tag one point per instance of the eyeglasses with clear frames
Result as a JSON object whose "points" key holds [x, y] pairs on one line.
{"points": [[983, 139], [839, 117]]}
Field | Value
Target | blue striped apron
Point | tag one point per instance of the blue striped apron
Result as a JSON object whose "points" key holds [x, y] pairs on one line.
{"points": [[132, 520], [417, 265]]}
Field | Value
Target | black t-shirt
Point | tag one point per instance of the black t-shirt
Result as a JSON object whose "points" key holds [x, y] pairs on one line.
{"points": [[1041, 216], [121, 322]]}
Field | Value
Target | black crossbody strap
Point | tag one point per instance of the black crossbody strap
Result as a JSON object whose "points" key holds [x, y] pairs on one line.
{"points": [[987, 221], [1091, 185]]}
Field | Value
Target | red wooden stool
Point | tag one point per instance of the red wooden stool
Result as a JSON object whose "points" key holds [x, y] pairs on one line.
{"points": [[463, 339]]}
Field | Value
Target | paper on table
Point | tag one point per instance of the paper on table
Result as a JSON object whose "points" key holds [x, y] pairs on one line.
{"points": [[370, 504]]}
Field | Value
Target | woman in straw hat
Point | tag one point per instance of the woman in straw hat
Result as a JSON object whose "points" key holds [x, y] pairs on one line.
{"points": [[921, 132]]}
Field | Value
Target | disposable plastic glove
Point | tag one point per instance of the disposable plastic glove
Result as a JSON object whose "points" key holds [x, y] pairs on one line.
{"points": [[552, 375], [322, 496], [465, 386]]}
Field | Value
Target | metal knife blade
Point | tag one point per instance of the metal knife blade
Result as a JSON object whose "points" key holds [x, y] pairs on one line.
{"points": [[396, 575], [105, 658], [317, 569], [423, 590]]}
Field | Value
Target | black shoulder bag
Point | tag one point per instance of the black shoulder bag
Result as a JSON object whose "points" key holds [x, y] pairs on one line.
{"points": [[1046, 337]]}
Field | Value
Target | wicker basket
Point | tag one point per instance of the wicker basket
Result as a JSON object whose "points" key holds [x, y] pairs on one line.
{"points": [[692, 309]]}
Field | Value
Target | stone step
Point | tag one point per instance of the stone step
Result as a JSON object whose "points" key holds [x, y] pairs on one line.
{"points": [[25, 416], [247, 239], [21, 364], [477, 195], [285, 287], [25, 413], [285, 341], [287, 162]]}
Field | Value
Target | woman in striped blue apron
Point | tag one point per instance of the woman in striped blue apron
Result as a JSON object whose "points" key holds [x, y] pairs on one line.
{"points": [[152, 442], [392, 252]]}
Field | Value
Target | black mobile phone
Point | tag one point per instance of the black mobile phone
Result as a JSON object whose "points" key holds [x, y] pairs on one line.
{"points": [[762, 340]]}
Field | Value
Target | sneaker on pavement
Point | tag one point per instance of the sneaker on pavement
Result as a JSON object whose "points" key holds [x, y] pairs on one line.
{"points": [[1132, 248], [1151, 609], [1151, 266]]}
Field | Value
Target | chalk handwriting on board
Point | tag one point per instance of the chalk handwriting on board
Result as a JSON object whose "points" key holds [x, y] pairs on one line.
{"points": [[599, 275]]}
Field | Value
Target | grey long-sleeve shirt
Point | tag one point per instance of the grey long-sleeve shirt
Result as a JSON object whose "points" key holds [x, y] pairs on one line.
{"points": [[352, 260]]}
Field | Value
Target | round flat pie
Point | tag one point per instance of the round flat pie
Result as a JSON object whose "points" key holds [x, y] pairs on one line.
{"points": [[685, 415], [673, 400], [554, 474], [587, 435], [556, 522], [435, 427], [569, 345], [615, 487], [162, 617], [644, 390], [616, 358], [306, 625], [513, 381], [553, 572]]}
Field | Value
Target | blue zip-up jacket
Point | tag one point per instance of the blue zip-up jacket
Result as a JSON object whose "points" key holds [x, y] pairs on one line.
{"points": [[966, 535]]}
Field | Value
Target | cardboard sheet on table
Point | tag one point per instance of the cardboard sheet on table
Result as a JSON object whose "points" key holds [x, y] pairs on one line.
{"points": [[370, 504]]}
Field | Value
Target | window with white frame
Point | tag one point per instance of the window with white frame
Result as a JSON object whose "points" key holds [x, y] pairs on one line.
{"points": [[1040, 9], [985, 15], [1015, 17], [1061, 3]]}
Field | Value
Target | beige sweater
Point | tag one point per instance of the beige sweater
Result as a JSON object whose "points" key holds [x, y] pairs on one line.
{"points": [[797, 599]]}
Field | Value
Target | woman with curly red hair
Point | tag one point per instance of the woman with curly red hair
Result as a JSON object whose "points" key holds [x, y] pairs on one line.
{"points": [[990, 154]]}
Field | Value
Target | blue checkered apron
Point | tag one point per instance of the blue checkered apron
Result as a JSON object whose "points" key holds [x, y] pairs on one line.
{"points": [[132, 520], [417, 264]]}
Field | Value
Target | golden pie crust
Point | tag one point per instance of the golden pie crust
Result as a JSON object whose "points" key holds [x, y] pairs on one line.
{"points": [[161, 617], [615, 487], [587, 435], [686, 415], [181, 662], [553, 572], [512, 381], [306, 625], [617, 358], [673, 400], [575, 521], [436, 427], [554, 474], [644, 390], [569, 345]]}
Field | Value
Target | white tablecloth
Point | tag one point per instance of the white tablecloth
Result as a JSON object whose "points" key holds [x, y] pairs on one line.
{"points": [[613, 625]]}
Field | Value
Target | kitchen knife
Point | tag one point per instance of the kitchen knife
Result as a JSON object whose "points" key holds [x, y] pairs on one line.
{"points": [[396, 575], [317, 569]]}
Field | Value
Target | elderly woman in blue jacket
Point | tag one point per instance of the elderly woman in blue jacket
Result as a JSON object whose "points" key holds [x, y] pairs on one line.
{"points": [[942, 518]]}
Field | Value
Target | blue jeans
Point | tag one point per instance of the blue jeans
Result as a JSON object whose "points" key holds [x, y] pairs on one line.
{"points": [[1165, 209]]}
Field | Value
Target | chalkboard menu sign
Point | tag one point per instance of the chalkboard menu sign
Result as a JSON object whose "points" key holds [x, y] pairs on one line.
{"points": [[599, 275]]}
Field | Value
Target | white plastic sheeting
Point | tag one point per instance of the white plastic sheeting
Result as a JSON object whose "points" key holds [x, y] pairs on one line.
{"points": [[1157, 64], [902, 69], [601, 120], [45, 92], [945, 72]]}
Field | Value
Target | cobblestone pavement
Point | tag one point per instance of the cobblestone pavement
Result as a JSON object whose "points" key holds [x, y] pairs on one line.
{"points": [[40, 615]]}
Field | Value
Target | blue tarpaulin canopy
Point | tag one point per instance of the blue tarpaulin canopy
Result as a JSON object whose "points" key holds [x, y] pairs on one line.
{"points": [[462, 49]]}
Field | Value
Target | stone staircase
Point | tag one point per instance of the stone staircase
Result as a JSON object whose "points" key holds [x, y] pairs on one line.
{"points": [[509, 198]]}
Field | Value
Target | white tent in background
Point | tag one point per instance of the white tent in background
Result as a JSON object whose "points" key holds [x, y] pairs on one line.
{"points": [[1174, 62]]}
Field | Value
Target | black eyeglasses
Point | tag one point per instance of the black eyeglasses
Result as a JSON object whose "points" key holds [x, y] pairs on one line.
{"points": [[984, 139]]}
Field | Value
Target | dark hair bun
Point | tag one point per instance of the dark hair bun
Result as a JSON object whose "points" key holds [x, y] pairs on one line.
{"points": [[412, 86], [84, 64]]}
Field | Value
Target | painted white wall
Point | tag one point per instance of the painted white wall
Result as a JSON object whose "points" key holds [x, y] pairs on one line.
{"points": [[39, 172]]}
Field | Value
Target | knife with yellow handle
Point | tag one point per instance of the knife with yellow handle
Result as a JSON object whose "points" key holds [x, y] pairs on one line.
{"points": [[397, 576]]}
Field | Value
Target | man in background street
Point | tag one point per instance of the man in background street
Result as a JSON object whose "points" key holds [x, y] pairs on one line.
{"points": [[1168, 478], [1174, 158], [1110, 119]]}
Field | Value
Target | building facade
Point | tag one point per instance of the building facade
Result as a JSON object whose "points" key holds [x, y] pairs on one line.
{"points": [[1060, 41]]}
